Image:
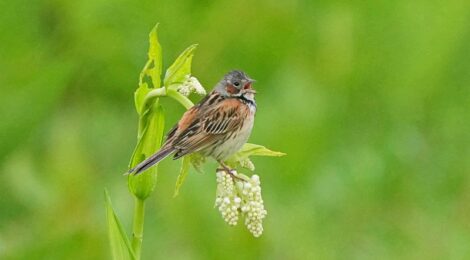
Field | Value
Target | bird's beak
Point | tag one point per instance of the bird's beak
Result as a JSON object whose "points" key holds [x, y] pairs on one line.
{"points": [[248, 87], [249, 90]]}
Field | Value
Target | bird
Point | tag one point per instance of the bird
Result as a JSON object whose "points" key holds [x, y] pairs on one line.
{"points": [[218, 126]]}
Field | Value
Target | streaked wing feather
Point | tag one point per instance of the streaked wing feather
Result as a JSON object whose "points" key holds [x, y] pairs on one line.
{"points": [[224, 117], [198, 145], [210, 126]]}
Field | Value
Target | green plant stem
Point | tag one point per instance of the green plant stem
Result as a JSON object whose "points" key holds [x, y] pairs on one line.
{"points": [[180, 98], [154, 93], [138, 227], [139, 209], [158, 92], [161, 92]]}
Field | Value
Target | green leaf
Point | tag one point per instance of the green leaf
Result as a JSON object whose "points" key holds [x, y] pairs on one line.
{"points": [[149, 141], [248, 150], [152, 69], [183, 174], [184, 101], [155, 55], [139, 97], [255, 150], [153, 66], [151, 120], [120, 245], [181, 68]]}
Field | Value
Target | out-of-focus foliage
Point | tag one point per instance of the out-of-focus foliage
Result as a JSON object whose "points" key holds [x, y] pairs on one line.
{"points": [[370, 100]]}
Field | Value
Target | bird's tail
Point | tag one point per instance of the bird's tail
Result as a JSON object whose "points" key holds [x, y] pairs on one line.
{"points": [[149, 162]]}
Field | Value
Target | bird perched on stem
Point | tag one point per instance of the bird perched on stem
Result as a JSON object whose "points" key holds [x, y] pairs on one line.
{"points": [[218, 126]]}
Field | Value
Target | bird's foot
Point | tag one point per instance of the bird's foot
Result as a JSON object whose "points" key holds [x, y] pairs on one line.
{"points": [[230, 172]]}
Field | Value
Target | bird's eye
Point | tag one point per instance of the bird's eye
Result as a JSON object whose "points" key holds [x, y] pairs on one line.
{"points": [[236, 83]]}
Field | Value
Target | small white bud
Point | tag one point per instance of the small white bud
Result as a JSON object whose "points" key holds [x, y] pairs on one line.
{"points": [[184, 90], [196, 85]]}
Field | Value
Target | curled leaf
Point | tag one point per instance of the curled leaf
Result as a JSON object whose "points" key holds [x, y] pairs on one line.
{"points": [[149, 141], [139, 97]]}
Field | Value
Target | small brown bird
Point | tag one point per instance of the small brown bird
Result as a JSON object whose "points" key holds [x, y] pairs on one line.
{"points": [[218, 126]]}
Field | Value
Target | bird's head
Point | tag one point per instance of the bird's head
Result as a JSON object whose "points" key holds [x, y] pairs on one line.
{"points": [[236, 83]]}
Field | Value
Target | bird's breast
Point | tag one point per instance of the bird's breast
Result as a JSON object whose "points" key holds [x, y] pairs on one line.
{"points": [[235, 139]]}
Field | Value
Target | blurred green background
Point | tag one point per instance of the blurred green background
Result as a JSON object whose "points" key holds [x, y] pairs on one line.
{"points": [[369, 99]]}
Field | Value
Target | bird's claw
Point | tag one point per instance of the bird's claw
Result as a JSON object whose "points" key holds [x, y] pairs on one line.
{"points": [[230, 172]]}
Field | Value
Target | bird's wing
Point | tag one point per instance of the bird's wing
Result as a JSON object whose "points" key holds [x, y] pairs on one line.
{"points": [[225, 117], [210, 125]]}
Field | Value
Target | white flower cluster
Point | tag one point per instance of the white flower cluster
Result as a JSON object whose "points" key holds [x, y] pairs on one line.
{"points": [[241, 196], [254, 206], [226, 200], [191, 84]]}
